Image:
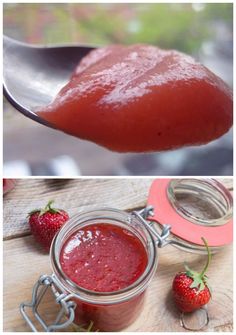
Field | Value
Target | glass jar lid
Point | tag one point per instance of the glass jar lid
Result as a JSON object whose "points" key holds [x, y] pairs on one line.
{"points": [[194, 208]]}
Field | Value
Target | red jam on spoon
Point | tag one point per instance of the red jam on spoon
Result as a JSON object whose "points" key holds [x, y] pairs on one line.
{"points": [[141, 98]]}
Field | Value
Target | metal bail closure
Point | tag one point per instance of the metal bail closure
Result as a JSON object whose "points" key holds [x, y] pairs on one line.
{"points": [[44, 283], [143, 215]]}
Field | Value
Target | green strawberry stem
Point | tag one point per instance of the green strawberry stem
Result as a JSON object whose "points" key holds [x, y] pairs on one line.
{"points": [[48, 208], [208, 257], [85, 328], [199, 279]]}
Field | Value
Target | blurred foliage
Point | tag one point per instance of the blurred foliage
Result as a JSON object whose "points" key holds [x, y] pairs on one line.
{"points": [[220, 11], [181, 26]]}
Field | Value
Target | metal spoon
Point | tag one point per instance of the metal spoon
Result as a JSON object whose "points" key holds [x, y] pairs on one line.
{"points": [[33, 75]]}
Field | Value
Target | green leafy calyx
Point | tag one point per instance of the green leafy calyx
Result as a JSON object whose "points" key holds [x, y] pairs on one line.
{"points": [[199, 279], [47, 209]]}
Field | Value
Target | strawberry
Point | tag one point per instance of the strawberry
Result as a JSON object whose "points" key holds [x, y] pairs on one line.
{"points": [[45, 223], [190, 289]]}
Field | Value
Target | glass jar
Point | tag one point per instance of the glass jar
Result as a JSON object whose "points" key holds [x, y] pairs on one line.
{"points": [[114, 310], [109, 311], [8, 185]]}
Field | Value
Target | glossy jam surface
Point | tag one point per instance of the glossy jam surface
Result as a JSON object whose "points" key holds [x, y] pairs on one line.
{"points": [[103, 258], [141, 98]]}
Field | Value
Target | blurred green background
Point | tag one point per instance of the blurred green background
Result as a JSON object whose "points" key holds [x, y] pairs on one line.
{"points": [[179, 26], [203, 30]]}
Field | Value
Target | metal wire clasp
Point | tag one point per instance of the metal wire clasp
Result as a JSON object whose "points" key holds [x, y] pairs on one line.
{"points": [[67, 306], [143, 215]]}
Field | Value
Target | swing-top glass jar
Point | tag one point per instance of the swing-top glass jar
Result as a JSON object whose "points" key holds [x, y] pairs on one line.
{"points": [[109, 309]]}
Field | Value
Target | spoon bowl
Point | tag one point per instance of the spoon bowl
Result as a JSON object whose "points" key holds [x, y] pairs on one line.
{"points": [[33, 75]]}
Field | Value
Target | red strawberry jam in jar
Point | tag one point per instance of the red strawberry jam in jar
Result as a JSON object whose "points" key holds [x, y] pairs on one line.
{"points": [[105, 258]]}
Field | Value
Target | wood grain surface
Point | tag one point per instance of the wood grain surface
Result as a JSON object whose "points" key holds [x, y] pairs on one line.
{"points": [[72, 194], [25, 261]]}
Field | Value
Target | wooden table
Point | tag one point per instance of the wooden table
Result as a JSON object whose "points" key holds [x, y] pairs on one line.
{"points": [[25, 261]]}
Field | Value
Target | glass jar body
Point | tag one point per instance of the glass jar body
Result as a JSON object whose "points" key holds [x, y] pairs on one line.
{"points": [[109, 311], [112, 317]]}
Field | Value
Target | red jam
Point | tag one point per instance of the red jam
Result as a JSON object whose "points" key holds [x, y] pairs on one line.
{"points": [[105, 258], [141, 98]]}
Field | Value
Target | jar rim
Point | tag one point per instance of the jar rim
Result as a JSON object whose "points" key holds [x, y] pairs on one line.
{"points": [[183, 228], [81, 293], [221, 190]]}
